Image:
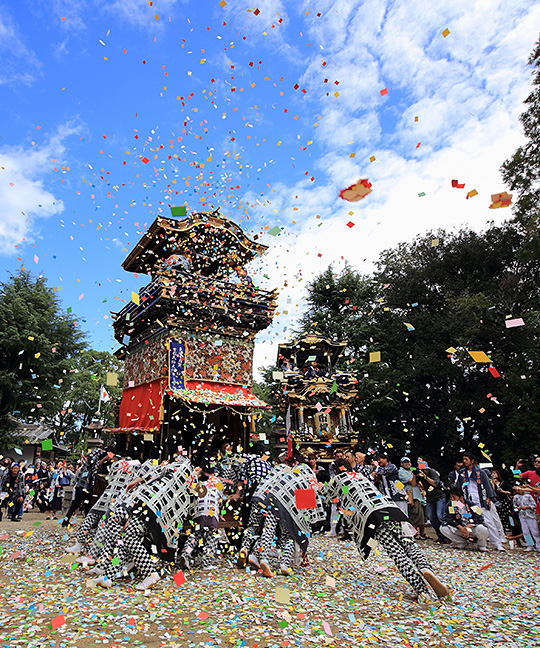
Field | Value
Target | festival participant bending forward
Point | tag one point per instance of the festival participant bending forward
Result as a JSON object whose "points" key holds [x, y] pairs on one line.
{"points": [[112, 524], [160, 507], [281, 495], [376, 518], [120, 475]]}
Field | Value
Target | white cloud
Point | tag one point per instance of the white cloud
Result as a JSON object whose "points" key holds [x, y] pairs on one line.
{"points": [[70, 15], [19, 63], [466, 89], [23, 194], [265, 25], [140, 13]]}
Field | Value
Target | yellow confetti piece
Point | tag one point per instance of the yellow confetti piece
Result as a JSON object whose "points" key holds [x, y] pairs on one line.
{"points": [[283, 595], [372, 158], [446, 32], [479, 356], [112, 379], [374, 356]]}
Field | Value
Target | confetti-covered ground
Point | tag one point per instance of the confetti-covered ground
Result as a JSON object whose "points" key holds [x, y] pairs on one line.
{"points": [[495, 600]]}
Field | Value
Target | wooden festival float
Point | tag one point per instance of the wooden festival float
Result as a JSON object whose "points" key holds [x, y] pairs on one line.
{"points": [[188, 337], [315, 395]]}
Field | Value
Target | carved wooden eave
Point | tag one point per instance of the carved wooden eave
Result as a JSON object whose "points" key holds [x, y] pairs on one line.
{"points": [[215, 244], [196, 303], [311, 344]]}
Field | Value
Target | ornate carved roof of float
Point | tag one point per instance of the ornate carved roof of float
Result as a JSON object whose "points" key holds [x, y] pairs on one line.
{"points": [[214, 243], [312, 344]]}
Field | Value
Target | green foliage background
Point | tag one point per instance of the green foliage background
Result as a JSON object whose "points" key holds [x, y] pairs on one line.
{"points": [[47, 373]]}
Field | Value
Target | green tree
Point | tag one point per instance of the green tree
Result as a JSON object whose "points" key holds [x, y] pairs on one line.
{"points": [[443, 291], [38, 342], [521, 172], [267, 420], [342, 306], [80, 390]]}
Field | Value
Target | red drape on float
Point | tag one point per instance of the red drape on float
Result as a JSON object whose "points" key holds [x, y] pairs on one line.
{"points": [[140, 406]]}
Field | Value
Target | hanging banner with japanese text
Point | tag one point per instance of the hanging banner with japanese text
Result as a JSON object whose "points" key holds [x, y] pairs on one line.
{"points": [[177, 365]]}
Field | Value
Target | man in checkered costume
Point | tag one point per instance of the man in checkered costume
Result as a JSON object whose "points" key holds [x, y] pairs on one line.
{"points": [[274, 502], [376, 519], [160, 507], [254, 469], [228, 471], [112, 523], [121, 473]]}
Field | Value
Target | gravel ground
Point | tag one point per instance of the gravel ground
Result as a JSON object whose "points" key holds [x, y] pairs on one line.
{"points": [[47, 600]]}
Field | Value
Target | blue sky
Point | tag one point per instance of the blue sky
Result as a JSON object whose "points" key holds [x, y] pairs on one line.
{"points": [[110, 108]]}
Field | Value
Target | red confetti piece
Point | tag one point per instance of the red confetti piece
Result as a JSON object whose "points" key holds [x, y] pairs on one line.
{"points": [[350, 224], [256, 12], [418, 145], [305, 498], [145, 160], [384, 91], [179, 578], [57, 622], [494, 372], [202, 616], [456, 185]]}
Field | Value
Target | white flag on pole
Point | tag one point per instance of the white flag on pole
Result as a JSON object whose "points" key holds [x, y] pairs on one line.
{"points": [[103, 395]]}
